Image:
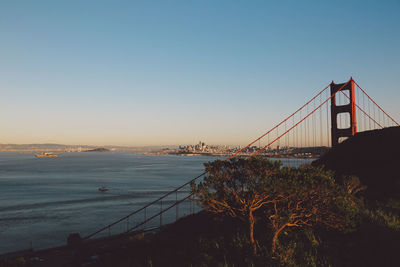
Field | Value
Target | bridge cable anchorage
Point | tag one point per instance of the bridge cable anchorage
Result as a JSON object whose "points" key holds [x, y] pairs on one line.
{"points": [[376, 104], [309, 114]]}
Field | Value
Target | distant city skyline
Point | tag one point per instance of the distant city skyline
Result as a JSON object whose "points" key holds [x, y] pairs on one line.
{"points": [[150, 73]]}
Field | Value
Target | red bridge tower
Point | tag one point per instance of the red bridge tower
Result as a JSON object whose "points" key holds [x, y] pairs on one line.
{"points": [[350, 108]]}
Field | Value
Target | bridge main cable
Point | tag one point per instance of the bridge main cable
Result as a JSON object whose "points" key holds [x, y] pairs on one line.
{"points": [[294, 126], [144, 207], [240, 151], [376, 104], [194, 179], [366, 114]]}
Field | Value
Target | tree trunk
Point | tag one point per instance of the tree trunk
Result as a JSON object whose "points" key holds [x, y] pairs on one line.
{"points": [[251, 229], [275, 238]]}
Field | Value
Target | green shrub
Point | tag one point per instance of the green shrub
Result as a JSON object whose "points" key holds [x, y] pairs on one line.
{"points": [[384, 218]]}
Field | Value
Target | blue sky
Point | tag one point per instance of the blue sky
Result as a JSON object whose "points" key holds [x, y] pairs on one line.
{"points": [[176, 72]]}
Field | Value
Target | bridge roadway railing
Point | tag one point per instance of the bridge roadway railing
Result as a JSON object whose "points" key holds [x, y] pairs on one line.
{"points": [[144, 218], [151, 211]]}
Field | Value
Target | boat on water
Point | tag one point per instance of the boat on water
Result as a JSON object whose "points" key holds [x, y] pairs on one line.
{"points": [[47, 155], [103, 189]]}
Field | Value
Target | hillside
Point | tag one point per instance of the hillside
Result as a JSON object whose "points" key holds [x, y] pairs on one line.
{"points": [[373, 156]]}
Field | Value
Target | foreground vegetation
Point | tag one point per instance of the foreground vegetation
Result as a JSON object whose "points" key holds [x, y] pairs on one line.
{"points": [[258, 213], [289, 206]]}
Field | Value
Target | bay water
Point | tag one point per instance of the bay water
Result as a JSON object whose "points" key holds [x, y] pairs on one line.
{"points": [[43, 200]]}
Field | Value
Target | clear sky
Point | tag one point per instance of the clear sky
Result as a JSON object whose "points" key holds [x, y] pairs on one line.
{"points": [[176, 72]]}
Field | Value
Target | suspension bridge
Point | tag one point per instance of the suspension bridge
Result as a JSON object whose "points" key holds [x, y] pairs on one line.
{"points": [[336, 113]]}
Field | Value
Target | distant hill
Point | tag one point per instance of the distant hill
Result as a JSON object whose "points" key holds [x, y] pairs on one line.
{"points": [[42, 147], [373, 156], [100, 149], [63, 148]]}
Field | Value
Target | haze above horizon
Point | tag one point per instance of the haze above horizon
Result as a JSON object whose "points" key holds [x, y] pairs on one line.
{"points": [[139, 73]]}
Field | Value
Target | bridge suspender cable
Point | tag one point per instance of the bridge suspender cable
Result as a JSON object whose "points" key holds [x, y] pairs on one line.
{"points": [[278, 124], [376, 104], [294, 126], [366, 114], [286, 131], [144, 207], [176, 189]]}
